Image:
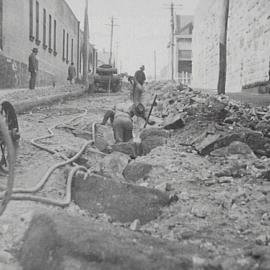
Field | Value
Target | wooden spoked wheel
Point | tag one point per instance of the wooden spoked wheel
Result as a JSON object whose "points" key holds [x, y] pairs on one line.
{"points": [[9, 136]]}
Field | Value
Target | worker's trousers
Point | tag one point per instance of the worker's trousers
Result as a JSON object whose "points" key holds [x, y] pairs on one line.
{"points": [[122, 129], [137, 94]]}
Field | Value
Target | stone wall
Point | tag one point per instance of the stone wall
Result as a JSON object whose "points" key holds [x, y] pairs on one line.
{"points": [[248, 50]]}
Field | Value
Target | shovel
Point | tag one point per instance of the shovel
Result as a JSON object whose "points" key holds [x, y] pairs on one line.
{"points": [[152, 106]]}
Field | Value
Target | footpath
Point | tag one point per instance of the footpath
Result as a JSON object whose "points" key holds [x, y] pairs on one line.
{"points": [[26, 99]]}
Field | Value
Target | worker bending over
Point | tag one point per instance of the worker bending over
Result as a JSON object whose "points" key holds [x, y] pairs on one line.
{"points": [[122, 121]]}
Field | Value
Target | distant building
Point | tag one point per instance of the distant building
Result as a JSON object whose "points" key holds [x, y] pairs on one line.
{"points": [[49, 25], [183, 48]]}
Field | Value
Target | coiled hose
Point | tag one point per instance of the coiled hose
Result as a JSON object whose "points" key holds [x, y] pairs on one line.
{"points": [[24, 194]]}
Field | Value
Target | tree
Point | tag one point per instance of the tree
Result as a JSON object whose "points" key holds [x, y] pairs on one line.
{"points": [[225, 5]]}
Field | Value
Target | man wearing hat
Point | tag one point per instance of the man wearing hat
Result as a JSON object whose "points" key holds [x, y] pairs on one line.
{"points": [[121, 121], [33, 68], [139, 79]]}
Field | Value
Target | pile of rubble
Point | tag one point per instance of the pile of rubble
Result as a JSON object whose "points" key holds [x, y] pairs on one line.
{"points": [[199, 178], [218, 120]]}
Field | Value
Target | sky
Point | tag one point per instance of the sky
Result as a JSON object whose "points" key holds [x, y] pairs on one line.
{"points": [[144, 27]]}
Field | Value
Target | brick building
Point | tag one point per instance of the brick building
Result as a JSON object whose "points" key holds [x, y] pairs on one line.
{"points": [[49, 25], [183, 48], [248, 39]]}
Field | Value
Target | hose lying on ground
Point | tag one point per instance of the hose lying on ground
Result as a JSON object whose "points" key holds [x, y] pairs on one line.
{"points": [[54, 202], [45, 178], [17, 192]]}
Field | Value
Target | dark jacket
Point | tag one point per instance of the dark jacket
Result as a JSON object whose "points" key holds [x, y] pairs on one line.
{"points": [[71, 72], [140, 77], [32, 63]]}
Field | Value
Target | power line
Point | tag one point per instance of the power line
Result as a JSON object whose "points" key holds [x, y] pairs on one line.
{"points": [[172, 8], [111, 39]]}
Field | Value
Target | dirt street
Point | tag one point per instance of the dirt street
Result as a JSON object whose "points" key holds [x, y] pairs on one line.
{"points": [[219, 204]]}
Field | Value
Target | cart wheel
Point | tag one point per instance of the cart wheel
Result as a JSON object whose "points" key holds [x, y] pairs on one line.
{"points": [[10, 157], [10, 118], [8, 112]]}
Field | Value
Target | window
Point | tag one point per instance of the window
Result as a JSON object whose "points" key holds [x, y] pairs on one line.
{"points": [[37, 23], [44, 28], [31, 21], [50, 33], [67, 48], [64, 44], [185, 54], [54, 38], [71, 55]]}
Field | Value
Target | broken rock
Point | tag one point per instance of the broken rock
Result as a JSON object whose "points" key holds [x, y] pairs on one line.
{"points": [[149, 132], [136, 170], [151, 143], [123, 202], [129, 148], [173, 122], [114, 164], [199, 211], [88, 244], [135, 225]]}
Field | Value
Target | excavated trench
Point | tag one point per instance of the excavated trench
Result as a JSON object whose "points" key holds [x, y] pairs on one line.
{"points": [[99, 182], [107, 190]]}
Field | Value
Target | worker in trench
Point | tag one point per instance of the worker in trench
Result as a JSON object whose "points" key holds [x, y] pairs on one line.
{"points": [[122, 123]]}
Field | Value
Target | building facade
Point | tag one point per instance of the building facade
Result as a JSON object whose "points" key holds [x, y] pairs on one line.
{"points": [[248, 36], [50, 26], [183, 48]]}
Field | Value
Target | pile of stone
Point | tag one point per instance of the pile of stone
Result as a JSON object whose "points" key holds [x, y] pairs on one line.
{"points": [[230, 120]]}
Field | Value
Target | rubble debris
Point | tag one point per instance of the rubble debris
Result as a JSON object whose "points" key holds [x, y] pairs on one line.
{"points": [[173, 122], [114, 164], [84, 245], [135, 225], [151, 142], [122, 201], [133, 149], [255, 140], [148, 132], [135, 171]]}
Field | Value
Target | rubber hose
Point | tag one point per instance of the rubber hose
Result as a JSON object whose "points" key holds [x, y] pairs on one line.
{"points": [[33, 141], [51, 170], [54, 202]]}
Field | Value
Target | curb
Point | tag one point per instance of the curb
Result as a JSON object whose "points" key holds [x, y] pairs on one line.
{"points": [[24, 106]]}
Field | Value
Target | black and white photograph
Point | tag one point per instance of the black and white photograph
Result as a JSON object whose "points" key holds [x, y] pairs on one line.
{"points": [[134, 135]]}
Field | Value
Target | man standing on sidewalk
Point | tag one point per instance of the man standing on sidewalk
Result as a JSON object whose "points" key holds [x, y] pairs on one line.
{"points": [[33, 68], [71, 72], [139, 79]]}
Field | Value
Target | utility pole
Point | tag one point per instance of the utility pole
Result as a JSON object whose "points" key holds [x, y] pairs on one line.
{"points": [[85, 44], [111, 40], [172, 41], [116, 54], [223, 46], [155, 64], [111, 43], [172, 8]]}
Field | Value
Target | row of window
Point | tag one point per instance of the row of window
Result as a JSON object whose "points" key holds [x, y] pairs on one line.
{"points": [[52, 30], [66, 40]]}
